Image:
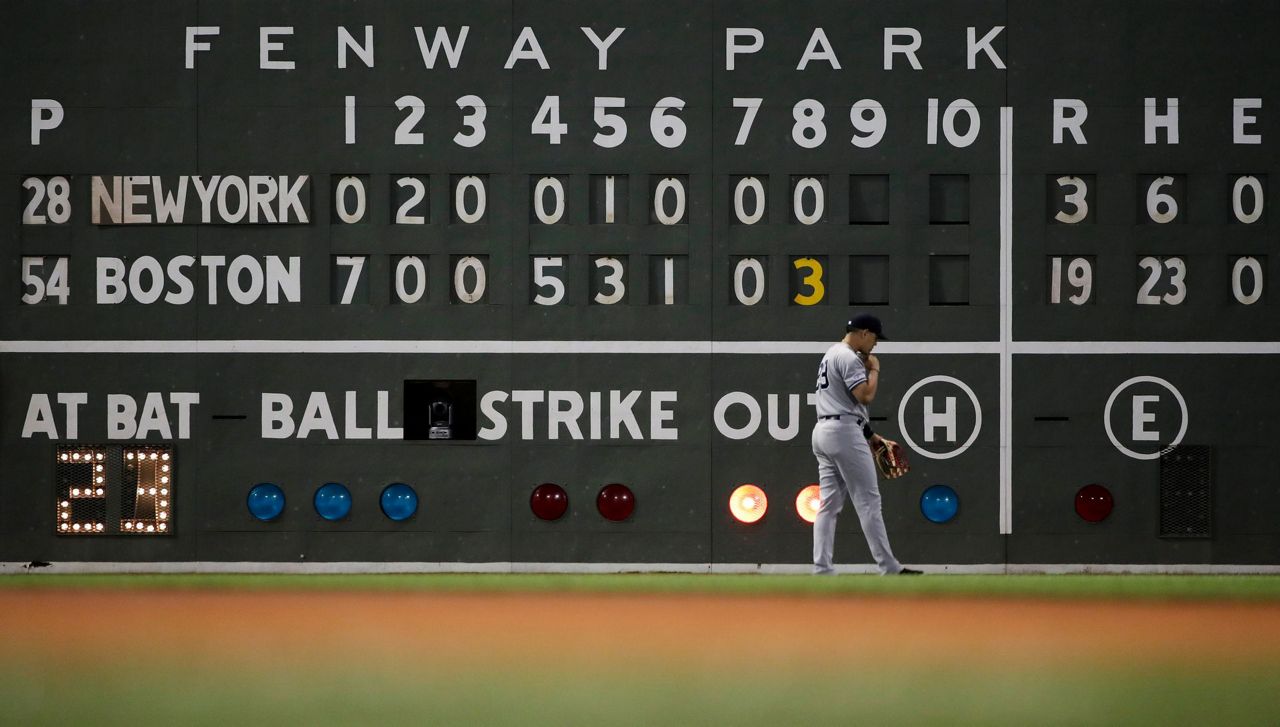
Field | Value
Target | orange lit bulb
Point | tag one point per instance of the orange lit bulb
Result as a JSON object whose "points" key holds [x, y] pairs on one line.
{"points": [[808, 502], [748, 503]]}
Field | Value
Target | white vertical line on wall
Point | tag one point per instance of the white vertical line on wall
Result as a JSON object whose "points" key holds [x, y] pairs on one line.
{"points": [[1006, 320]]}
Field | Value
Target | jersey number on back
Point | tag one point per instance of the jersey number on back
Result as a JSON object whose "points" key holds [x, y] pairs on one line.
{"points": [[822, 375]]}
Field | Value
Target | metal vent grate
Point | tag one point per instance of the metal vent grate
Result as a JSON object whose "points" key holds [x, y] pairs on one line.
{"points": [[1186, 492]]}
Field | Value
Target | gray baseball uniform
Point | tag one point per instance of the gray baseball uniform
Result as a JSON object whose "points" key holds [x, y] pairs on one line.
{"points": [[844, 461]]}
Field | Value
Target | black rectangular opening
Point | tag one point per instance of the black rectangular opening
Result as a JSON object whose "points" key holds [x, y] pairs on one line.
{"points": [[442, 409]]}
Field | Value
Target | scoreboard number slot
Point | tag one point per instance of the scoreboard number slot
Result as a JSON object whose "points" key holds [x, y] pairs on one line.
{"points": [[669, 199], [45, 279], [808, 288], [750, 204], [549, 200], [749, 280], [1076, 275], [470, 199], [1247, 279], [608, 199], [50, 201], [808, 199], [410, 279], [1164, 199], [1248, 199], [548, 280], [470, 279], [408, 196], [667, 279], [348, 279], [1167, 275], [1073, 196], [351, 199], [608, 280]]}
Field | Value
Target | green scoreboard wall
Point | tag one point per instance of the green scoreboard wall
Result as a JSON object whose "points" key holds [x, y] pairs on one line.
{"points": [[476, 247]]}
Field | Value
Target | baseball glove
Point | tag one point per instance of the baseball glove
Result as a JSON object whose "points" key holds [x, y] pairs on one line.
{"points": [[891, 458]]}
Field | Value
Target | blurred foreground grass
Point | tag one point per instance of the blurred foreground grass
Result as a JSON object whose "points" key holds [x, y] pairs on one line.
{"points": [[759, 694]]}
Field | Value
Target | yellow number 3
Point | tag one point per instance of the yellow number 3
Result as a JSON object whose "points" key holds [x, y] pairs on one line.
{"points": [[813, 280]]}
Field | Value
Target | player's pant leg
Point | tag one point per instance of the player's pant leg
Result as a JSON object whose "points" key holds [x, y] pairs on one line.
{"points": [[858, 471], [831, 489]]}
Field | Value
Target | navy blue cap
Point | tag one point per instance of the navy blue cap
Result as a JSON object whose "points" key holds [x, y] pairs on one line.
{"points": [[866, 322]]}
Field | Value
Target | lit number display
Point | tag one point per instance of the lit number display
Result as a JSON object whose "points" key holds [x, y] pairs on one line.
{"points": [[137, 477], [146, 491], [81, 490]]}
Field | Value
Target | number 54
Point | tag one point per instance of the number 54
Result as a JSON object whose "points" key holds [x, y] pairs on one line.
{"points": [[34, 286]]}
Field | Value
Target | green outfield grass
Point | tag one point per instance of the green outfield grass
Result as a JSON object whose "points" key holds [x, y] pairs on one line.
{"points": [[759, 694], [1148, 587]]}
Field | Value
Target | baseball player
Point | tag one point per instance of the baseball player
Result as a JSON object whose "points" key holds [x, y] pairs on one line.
{"points": [[848, 378]]}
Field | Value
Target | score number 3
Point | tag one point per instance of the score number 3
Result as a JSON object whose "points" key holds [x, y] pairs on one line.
{"points": [[813, 281]]}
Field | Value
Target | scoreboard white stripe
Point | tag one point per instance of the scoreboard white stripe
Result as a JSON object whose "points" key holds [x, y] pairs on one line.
{"points": [[1006, 320], [726, 348]]}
